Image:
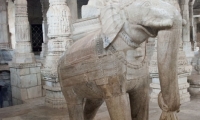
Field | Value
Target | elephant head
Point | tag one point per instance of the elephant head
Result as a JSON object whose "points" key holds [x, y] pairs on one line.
{"points": [[142, 19]]}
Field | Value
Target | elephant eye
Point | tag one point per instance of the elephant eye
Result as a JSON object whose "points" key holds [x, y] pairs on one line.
{"points": [[146, 4]]}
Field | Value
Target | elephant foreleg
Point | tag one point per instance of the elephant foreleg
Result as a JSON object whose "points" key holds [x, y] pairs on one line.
{"points": [[139, 102], [75, 111], [119, 107], [91, 108], [74, 104]]}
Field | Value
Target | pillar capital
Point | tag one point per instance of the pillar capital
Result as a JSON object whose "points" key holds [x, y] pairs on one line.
{"points": [[58, 19]]}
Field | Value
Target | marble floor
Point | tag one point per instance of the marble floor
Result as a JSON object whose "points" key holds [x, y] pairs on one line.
{"points": [[35, 110]]}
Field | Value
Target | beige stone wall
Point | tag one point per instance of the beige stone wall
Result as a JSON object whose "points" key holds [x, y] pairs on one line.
{"points": [[26, 84]]}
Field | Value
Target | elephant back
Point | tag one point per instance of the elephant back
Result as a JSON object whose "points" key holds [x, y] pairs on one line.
{"points": [[83, 49]]}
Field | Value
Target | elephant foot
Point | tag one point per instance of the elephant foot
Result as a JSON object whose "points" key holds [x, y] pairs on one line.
{"points": [[119, 107]]}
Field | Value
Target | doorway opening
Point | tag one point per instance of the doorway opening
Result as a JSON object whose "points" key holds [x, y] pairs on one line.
{"points": [[5, 89]]}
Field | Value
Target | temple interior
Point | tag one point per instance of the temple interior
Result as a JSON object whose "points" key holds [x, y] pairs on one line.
{"points": [[35, 34]]}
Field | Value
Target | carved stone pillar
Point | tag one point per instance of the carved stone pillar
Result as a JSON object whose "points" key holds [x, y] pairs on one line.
{"points": [[58, 18], [45, 7], [25, 72], [187, 45], [74, 9], [184, 70], [4, 32], [194, 79], [192, 28], [11, 22], [23, 52]]}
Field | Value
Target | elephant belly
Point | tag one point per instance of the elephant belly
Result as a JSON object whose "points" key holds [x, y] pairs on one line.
{"points": [[88, 90], [87, 76], [91, 70]]}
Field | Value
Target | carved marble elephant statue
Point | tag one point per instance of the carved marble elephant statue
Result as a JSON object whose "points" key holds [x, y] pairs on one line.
{"points": [[110, 64]]}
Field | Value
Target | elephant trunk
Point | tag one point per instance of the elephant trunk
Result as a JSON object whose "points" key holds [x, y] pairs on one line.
{"points": [[159, 24], [168, 46]]}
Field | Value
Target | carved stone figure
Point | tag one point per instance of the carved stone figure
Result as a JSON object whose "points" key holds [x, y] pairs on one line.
{"points": [[110, 64]]}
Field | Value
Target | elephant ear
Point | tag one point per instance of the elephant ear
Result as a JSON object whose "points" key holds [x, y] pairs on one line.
{"points": [[112, 22]]}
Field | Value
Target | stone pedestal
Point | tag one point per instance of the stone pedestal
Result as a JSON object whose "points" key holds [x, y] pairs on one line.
{"points": [[194, 81], [54, 97], [25, 82]]}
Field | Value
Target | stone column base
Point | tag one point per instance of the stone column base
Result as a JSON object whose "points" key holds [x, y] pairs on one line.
{"points": [[54, 98], [194, 89], [25, 82]]}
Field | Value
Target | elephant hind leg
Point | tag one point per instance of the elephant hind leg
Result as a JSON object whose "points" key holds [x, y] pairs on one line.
{"points": [[119, 107], [91, 108], [139, 101]]}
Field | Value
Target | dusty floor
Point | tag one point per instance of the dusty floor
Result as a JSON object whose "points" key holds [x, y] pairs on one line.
{"points": [[35, 110]]}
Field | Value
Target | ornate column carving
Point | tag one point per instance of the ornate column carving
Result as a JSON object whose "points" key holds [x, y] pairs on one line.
{"points": [[184, 70], [45, 7], [187, 45], [58, 19], [25, 72], [23, 52], [4, 33], [194, 78]]}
